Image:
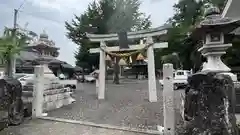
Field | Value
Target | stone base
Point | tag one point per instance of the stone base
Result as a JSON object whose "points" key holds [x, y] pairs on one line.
{"points": [[233, 76], [48, 106], [209, 105], [53, 99]]}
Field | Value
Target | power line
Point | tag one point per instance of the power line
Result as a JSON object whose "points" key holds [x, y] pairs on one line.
{"points": [[21, 5]]}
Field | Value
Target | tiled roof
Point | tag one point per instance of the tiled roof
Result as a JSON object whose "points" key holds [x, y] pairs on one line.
{"points": [[26, 55]]}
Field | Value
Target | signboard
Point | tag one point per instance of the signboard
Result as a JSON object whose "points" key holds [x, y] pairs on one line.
{"points": [[123, 40]]}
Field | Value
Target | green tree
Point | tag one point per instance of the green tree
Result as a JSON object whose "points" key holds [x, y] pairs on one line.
{"points": [[103, 17], [188, 13], [11, 43], [174, 59]]}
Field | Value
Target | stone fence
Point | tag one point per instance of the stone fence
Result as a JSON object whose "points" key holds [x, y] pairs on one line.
{"points": [[53, 98], [46, 93]]}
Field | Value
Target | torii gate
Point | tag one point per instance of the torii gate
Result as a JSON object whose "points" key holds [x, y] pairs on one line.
{"points": [[149, 34]]}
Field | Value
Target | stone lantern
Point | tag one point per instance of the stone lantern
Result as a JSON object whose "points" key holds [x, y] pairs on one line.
{"points": [[213, 31], [209, 103]]}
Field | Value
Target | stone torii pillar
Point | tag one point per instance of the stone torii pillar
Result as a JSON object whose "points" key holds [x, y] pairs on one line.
{"points": [[151, 72], [102, 70]]}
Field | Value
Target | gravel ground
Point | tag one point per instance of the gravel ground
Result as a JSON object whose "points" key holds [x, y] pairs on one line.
{"points": [[42, 127], [125, 105]]}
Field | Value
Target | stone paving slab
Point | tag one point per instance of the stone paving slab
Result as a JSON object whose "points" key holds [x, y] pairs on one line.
{"points": [[125, 105], [44, 127]]}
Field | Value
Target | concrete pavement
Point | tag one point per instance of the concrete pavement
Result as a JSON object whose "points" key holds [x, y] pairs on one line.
{"points": [[44, 127], [126, 105]]}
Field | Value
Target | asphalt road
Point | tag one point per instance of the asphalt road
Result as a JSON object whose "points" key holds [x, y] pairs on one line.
{"points": [[125, 105]]}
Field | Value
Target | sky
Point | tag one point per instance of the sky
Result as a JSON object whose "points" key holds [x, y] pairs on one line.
{"points": [[50, 15]]}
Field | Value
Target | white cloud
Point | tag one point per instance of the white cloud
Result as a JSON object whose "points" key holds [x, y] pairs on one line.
{"points": [[160, 10], [61, 5]]}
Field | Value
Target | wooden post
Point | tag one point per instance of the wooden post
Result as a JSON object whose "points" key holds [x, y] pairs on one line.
{"points": [[102, 70], [168, 99], [37, 104], [152, 88]]}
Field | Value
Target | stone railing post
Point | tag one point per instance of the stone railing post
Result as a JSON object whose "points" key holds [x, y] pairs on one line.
{"points": [[97, 83], [152, 88], [168, 100], [37, 103], [97, 86]]}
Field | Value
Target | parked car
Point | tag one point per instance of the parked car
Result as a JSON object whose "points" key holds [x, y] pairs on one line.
{"points": [[80, 77], [91, 77], [25, 78], [1, 74], [179, 79]]}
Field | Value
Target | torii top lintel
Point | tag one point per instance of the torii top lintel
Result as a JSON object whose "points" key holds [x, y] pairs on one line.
{"points": [[131, 35]]}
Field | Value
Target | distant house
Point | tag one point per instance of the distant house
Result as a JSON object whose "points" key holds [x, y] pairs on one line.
{"points": [[42, 51]]}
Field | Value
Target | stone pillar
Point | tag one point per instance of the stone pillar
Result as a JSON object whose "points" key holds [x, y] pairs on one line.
{"points": [[37, 103], [13, 65], [168, 99], [102, 70], [151, 72], [97, 85]]}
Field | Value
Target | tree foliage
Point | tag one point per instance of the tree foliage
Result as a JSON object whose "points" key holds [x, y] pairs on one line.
{"points": [[11, 43], [188, 14], [102, 17]]}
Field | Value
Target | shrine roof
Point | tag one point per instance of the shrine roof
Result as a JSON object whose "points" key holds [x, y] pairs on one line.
{"points": [[42, 45], [26, 55], [67, 66]]}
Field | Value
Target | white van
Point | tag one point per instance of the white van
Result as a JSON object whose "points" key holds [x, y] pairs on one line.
{"points": [[1, 74], [179, 78]]}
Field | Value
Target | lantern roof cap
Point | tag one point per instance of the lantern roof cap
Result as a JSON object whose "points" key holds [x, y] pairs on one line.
{"points": [[214, 22], [212, 11], [214, 18]]}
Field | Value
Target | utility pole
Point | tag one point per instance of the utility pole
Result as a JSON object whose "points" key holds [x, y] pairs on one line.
{"points": [[12, 69], [13, 59], [15, 18]]}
